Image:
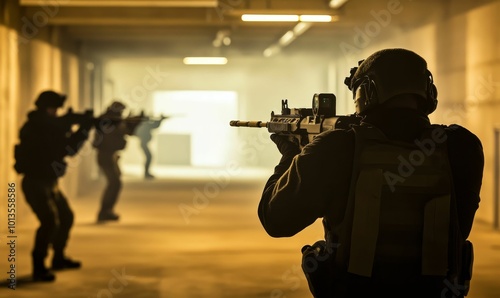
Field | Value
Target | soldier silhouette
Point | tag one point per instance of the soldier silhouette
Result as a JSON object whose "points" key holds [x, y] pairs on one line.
{"points": [[143, 132], [45, 140]]}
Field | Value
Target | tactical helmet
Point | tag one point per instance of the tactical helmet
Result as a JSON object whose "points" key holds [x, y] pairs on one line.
{"points": [[116, 107], [388, 73], [50, 99]]}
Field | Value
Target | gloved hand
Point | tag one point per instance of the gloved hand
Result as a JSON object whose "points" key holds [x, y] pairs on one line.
{"points": [[287, 145], [87, 123]]}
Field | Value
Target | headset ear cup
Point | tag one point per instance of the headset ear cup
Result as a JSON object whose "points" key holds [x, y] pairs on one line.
{"points": [[432, 97], [365, 95], [360, 98], [431, 94], [373, 96]]}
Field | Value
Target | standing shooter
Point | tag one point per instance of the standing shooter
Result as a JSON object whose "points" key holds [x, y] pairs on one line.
{"points": [[45, 140], [143, 132]]}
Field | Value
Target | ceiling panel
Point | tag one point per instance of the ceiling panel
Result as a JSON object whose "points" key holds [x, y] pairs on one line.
{"points": [[188, 25]]}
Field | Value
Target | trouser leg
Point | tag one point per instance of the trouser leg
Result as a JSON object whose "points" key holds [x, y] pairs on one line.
{"points": [[66, 218], [111, 170], [39, 195], [148, 156]]}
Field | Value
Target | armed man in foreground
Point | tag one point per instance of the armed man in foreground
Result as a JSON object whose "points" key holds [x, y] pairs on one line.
{"points": [[397, 194], [45, 140]]}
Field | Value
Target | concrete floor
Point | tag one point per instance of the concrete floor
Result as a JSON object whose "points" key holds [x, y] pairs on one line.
{"points": [[198, 238]]}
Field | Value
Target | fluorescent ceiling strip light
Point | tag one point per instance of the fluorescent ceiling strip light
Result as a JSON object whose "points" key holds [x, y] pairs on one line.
{"points": [[272, 50], [270, 18], [205, 60], [286, 39], [301, 28], [315, 18], [285, 18]]}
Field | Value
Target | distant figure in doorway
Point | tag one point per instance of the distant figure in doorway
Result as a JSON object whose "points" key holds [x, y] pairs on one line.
{"points": [[143, 132]]}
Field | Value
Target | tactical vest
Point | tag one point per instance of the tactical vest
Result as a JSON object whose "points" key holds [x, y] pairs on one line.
{"points": [[397, 221]]}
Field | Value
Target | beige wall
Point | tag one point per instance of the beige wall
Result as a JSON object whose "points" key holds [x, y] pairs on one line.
{"points": [[9, 88], [462, 51], [32, 60], [49, 63], [9, 95], [482, 100]]}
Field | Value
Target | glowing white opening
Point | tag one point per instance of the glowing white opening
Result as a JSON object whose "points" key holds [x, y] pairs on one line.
{"points": [[205, 117]]}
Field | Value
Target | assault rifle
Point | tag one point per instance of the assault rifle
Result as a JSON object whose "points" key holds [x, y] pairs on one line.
{"points": [[71, 118], [305, 123]]}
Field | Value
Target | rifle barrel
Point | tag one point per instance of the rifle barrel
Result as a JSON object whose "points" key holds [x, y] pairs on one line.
{"points": [[248, 123]]}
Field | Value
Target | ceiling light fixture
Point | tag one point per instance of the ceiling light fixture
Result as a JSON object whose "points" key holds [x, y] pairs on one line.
{"points": [[222, 38], [205, 60], [270, 18], [337, 3], [287, 18], [272, 50], [287, 38], [315, 18], [301, 28]]}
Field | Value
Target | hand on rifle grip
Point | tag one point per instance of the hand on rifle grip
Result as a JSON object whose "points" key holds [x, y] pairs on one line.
{"points": [[287, 145], [87, 123]]}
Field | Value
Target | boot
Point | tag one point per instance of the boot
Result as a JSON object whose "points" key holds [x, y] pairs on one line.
{"points": [[40, 273], [107, 216], [60, 262]]}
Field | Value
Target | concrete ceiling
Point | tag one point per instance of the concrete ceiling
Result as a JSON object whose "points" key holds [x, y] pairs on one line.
{"points": [[191, 25]]}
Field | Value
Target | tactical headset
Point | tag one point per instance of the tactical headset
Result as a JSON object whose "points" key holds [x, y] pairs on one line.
{"points": [[366, 92]]}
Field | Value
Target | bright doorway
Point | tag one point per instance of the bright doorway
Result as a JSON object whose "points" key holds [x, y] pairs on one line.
{"points": [[198, 133]]}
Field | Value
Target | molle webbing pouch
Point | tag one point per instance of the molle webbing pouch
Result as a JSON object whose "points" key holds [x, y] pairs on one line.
{"points": [[401, 215]]}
